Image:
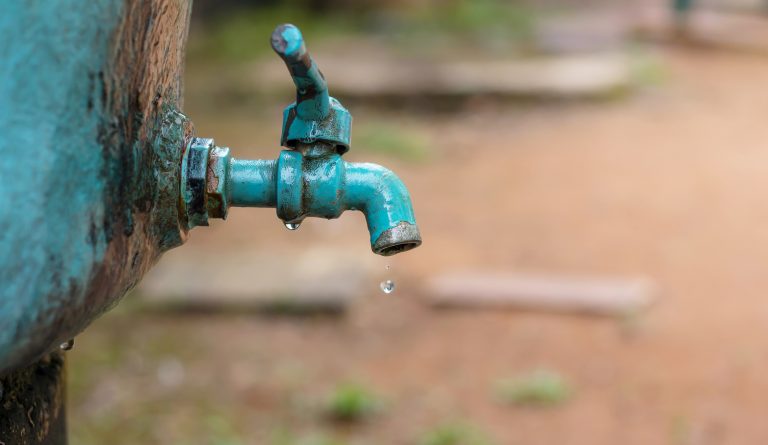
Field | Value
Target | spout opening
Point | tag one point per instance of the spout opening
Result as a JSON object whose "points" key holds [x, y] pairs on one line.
{"points": [[400, 238], [398, 248]]}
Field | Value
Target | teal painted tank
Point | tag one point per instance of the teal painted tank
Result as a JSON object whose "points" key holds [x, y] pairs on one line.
{"points": [[100, 171], [90, 141]]}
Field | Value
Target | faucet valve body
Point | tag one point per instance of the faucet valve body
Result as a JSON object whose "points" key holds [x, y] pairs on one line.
{"points": [[298, 184], [309, 178]]}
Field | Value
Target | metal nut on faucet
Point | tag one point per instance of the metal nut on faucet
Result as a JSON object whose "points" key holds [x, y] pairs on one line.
{"points": [[217, 181], [194, 169]]}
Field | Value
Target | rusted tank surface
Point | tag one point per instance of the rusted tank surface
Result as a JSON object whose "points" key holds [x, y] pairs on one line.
{"points": [[90, 143], [32, 411]]}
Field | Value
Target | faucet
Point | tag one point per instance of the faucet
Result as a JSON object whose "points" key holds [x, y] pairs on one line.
{"points": [[309, 177]]}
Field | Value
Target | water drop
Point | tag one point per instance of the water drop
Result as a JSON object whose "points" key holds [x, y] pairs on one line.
{"points": [[387, 286], [292, 226], [387, 267], [67, 345]]}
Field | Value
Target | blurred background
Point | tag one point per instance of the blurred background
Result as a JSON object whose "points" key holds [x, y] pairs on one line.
{"points": [[589, 178]]}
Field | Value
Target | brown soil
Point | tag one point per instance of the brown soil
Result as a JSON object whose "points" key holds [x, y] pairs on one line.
{"points": [[670, 183]]}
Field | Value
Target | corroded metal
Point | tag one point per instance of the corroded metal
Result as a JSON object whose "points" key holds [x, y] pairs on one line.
{"points": [[32, 409], [217, 187], [396, 239], [194, 172], [92, 137]]}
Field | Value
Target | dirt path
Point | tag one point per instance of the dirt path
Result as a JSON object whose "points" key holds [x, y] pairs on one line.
{"points": [[671, 184]]}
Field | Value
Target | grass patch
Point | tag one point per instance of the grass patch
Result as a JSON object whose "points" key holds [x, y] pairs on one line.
{"points": [[221, 431], [350, 402], [541, 388], [455, 434]]}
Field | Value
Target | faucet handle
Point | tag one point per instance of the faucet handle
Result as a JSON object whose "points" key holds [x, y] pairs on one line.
{"points": [[311, 88], [315, 116]]}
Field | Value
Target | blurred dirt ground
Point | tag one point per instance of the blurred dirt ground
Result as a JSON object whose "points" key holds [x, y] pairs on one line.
{"points": [[670, 183]]}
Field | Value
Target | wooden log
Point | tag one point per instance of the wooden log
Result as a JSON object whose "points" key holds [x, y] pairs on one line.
{"points": [[481, 289]]}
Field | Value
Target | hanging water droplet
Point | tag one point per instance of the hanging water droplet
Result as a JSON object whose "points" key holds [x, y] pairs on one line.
{"points": [[387, 286], [387, 267], [67, 345], [292, 226]]}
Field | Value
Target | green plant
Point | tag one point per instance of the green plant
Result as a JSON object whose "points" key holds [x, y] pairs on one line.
{"points": [[539, 388], [221, 431], [351, 402], [455, 434]]}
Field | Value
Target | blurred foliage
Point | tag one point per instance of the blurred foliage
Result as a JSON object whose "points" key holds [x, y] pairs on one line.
{"points": [[243, 33], [392, 140], [351, 402], [455, 434], [221, 431], [485, 24], [110, 361], [539, 388], [647, 69]]}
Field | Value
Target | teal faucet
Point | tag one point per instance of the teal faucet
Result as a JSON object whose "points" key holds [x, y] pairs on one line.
{"points": [[309, 178]]}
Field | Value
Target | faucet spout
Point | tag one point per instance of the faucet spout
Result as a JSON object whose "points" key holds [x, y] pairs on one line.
{"points": [[383, 198]]}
